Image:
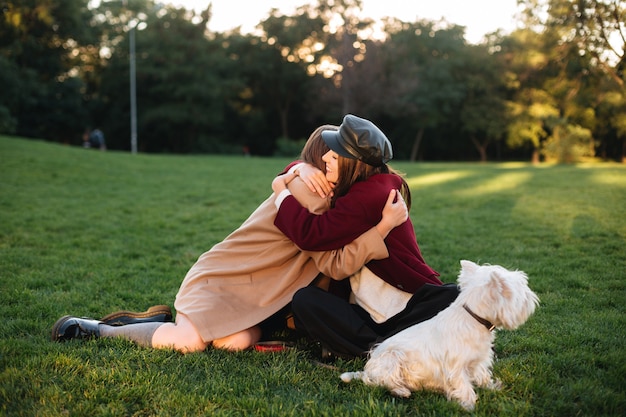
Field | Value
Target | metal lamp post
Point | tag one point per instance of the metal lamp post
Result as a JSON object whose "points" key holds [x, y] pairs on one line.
{"points": [[133, 91]]}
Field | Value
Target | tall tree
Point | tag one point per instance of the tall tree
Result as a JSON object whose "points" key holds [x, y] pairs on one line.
{"points": [[292, 46], [424, 75], [602, 26], [43, 95], [572, 42], [346, 46], [483, 114]]}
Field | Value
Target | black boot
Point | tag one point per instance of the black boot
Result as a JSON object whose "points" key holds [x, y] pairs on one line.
{"points": [[69, 327]]}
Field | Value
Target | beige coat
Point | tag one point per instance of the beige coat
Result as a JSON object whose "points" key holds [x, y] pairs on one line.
{"points": [[256, 270]]}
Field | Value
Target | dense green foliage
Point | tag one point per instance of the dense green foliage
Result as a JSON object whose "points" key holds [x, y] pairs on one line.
{"points": [[553, 89], [87, 233]]}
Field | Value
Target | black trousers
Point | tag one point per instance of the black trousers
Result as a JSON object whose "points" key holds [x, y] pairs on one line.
{"points": [[348, 330]]}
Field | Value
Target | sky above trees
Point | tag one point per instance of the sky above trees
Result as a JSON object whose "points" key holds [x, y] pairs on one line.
{"points": [[478, 16]]}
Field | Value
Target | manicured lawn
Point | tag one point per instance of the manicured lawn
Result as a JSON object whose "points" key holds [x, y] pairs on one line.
{"points": [[86, 232]]}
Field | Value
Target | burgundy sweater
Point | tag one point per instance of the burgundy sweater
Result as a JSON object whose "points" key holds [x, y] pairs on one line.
{"points": [[355, 213]]}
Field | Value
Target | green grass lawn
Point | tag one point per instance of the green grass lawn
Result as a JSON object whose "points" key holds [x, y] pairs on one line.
{"points": [[86, 232]]}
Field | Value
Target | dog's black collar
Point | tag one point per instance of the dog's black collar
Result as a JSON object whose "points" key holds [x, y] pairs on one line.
{"points": [[481, 320]]}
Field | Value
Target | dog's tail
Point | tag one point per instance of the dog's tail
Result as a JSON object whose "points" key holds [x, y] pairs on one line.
{"points": [[349, 376]]}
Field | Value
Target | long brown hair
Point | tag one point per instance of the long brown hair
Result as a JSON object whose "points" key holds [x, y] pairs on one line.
{"points": [[352, 171], [315, 148]]}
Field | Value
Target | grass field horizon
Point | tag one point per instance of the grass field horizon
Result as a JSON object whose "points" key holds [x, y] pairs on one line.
{"points": [[85, 232]]}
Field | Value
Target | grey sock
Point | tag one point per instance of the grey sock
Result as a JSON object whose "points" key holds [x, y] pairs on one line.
{"points": [[140, 333]]}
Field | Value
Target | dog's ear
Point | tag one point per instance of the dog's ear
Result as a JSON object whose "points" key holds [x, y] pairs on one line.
{"points": [[500, 285], [468, 266]]}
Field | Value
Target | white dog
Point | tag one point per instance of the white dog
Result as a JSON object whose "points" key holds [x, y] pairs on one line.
{"points": [[452, 352]]}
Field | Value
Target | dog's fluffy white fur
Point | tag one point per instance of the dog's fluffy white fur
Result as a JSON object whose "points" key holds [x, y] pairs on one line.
{"points": [[452, 352]]}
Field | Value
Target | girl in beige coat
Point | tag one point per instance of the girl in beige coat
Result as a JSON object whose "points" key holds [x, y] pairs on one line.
{"points": [[248, 277]]}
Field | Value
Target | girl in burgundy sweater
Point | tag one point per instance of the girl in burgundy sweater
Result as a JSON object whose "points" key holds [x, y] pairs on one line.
{"points": [[389, 294]]}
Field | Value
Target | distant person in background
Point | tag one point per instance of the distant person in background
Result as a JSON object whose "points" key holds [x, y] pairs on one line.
{"points": [[96, 140]]}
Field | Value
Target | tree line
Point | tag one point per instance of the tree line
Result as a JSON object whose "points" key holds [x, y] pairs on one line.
{"points": [[553, 89]]}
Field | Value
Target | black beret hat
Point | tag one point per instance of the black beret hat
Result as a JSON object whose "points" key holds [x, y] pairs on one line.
{"points": [[360, 139]]}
